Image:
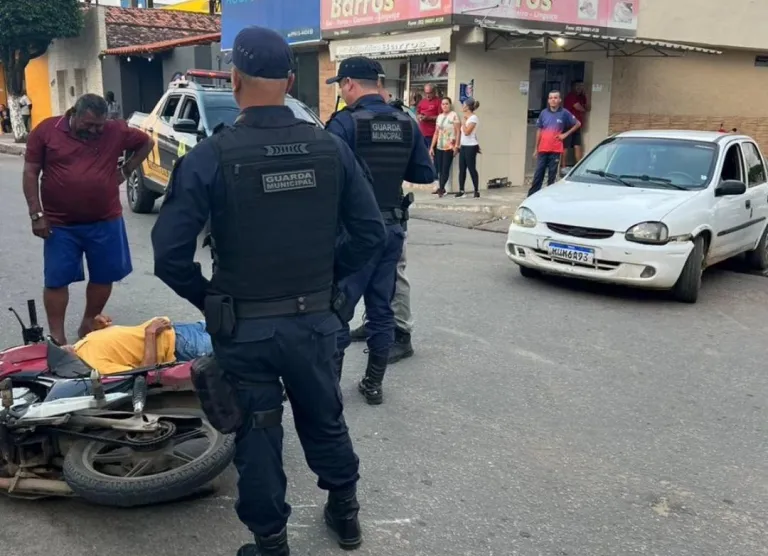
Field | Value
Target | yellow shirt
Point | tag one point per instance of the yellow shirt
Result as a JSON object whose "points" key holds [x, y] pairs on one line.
{"points": [[121, 348]]}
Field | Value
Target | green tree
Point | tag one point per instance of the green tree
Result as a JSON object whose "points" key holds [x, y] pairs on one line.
{"points": [[27, 28]]}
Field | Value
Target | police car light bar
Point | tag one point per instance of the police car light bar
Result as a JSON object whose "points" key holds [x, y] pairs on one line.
{"points": [[208, 74]]}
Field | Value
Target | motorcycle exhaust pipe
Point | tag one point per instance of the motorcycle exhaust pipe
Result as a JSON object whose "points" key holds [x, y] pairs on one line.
{"points": [[47, 487]]}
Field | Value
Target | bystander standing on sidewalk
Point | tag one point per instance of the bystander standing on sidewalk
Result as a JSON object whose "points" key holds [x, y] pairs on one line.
{"points": [[26, 111], [71, 184], [470, 147], [555, 125], [5, 119], [445, 143], [114, 110]]}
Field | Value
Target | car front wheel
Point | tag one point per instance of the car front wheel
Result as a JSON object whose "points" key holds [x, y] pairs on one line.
{"points": [[688, 284], [140, 199]]}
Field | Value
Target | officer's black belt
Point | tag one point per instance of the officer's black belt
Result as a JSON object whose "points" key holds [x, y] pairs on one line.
{"points": [[392, 216], [302, 305]]}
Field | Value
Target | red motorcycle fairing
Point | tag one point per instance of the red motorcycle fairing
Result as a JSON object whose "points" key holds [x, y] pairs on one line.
{"points": [[29, 359], [32, 360]]}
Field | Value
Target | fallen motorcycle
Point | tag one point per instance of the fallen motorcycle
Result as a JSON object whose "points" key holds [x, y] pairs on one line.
{"points": [[65, 430]]}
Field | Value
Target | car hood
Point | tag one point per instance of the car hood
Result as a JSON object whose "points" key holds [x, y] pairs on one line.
{"points": [[604, 206]]}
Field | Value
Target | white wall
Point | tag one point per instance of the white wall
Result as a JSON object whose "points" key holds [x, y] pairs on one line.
{"points": [[65, 56]]}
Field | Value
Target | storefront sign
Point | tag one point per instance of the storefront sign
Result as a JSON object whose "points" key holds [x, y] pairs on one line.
{"points": [[342, 18], [599, 17], [412, 44], [297, 20]]}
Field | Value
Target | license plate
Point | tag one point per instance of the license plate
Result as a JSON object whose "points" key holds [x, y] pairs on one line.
{"points": [[572, 253]]}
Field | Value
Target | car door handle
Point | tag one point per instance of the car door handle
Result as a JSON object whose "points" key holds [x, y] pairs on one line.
{"points": [[748, 203]]}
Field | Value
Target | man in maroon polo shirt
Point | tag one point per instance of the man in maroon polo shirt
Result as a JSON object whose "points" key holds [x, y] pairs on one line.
{"points": [[427, 112], [75, 205]]}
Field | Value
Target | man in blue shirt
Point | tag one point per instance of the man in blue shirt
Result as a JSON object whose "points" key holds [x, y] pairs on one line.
{"points": [[276, 189], [390, 144]]}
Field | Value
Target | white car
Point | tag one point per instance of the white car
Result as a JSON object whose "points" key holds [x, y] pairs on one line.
{"points": [[650, 209]]}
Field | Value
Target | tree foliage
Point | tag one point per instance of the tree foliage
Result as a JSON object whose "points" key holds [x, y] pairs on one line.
{"points": [[27, 27]]}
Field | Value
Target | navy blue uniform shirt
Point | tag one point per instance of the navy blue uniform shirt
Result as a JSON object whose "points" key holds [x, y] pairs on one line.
{"points": [[420, 168], [196, 191]]}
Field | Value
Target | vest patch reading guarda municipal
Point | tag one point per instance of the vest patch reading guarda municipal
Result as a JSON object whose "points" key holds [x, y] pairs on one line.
{"points": [[386, 132], [287, 150], [289, 181]]}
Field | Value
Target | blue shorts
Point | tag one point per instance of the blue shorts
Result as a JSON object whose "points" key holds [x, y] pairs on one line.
{"points": [[104, 244], [192, 341]]}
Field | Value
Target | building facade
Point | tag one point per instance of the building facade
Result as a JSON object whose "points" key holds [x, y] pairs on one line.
{"points": [[645, 63]]}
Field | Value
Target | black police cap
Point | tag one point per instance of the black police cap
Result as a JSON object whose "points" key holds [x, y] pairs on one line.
{"points": [[262, 52], [358, 67]]}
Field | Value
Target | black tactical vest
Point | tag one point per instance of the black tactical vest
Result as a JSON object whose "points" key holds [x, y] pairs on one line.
{"points": [[384, 142], [275, 234]]}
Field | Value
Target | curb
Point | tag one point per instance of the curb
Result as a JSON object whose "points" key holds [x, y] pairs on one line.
{"points": [[493, 211], [13, 148]]}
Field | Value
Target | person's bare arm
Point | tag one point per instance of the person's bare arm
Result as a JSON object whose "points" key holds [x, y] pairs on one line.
{"points": [[434, 141], [139, 144], [31, 185], [151, 334], [570, 131]]}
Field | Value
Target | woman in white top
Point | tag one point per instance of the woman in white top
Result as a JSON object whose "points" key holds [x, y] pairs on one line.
{"points": [[469, 147]]}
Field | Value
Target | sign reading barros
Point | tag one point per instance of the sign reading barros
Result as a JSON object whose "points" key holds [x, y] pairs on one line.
{"points": [[356, 17], [427, 45], [606, 17]]}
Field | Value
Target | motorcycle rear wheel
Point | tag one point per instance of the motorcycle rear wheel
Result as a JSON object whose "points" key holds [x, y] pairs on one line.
{"points": [[92, 469]]}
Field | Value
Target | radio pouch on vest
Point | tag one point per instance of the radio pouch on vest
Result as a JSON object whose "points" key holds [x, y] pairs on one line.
{"points": [[218, 395], [220, 320]]}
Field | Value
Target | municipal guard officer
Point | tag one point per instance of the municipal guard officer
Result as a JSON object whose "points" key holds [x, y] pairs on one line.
{"points": [[389, 142], [275, 189]]}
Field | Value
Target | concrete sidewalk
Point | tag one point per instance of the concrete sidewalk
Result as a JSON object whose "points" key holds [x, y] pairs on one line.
{"points": [[8, 146], [493, 203]]}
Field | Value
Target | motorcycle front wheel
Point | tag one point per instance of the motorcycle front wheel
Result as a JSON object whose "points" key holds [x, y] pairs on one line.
{"points": [[112, 475]]}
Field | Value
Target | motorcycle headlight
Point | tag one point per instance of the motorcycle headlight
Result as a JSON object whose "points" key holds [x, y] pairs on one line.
{"points": [[655, 233], [524, 217]]}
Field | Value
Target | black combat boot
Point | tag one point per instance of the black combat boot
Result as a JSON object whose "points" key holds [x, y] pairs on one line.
{"points": [[341, 518], [274, 545], [338, 361], [402, 348], [370, 386], [359, 334]]}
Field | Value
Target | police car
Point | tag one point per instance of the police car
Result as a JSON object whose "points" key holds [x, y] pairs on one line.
{"points": [[191, 108]]}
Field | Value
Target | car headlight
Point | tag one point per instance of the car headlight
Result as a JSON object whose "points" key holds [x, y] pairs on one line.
{"points": [[524, 217], [655, 233]]}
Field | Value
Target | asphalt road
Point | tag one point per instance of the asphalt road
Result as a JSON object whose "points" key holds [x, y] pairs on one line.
{"points": [[537, 418]]}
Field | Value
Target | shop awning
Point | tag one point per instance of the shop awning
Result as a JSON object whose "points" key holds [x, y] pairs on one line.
{"points": [[155, 47], [556, 42], [420, 43]]}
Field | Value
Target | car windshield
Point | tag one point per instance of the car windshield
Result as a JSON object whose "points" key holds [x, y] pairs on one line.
{"points": [[222, 108], [648, 162]]}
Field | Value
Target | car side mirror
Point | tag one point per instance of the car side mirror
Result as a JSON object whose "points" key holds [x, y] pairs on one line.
{"points": [[187, 126], [730, 187]]}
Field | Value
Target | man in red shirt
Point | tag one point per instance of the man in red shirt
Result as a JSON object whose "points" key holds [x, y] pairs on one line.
{"points": [[75, 206], [576, 104], [427, 112]]}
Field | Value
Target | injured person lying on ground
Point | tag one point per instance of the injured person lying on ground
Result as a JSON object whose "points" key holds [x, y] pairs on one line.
{"points": [[113, 349]]}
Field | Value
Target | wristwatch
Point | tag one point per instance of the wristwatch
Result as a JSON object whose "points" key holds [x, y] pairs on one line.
{"points": [[36, 216]]}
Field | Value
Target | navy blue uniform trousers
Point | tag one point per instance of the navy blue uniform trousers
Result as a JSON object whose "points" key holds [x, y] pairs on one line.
{"points": [[375, 284], [300, 350]]}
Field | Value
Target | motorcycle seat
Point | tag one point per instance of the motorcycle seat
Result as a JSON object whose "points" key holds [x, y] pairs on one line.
{"points": [[64, 364]]}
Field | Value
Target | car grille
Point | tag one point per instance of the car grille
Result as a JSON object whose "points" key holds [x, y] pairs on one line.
{"points": [[577, 231]]}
